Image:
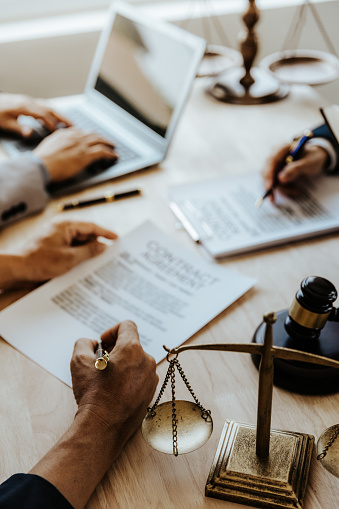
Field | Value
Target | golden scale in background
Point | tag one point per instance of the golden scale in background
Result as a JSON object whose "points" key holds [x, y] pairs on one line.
{"points": [[241, 83], [260, 466]]}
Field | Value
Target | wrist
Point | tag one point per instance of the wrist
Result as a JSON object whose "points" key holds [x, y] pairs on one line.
{"points": [[45, 173], [12, 270], [79, 460], [99, 430], [328, 151], [46, 161]]}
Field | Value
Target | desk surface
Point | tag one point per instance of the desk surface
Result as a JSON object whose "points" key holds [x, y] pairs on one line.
{"points": [[212, 139]]}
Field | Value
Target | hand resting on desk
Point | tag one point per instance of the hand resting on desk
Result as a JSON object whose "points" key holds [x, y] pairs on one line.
{"points": [[63, 246]]}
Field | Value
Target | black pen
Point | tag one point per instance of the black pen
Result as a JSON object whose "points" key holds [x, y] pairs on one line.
{"points": [[107, 198], [293, 152]]}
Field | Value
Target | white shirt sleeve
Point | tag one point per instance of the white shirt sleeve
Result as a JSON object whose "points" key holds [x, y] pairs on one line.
{"points": [[22, 189]]}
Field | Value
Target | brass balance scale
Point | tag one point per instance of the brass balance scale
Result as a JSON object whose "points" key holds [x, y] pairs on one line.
{"points": [[270, 81], [256, 466]]}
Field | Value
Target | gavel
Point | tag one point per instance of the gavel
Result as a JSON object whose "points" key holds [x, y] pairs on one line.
{"points": [[310, 325]]}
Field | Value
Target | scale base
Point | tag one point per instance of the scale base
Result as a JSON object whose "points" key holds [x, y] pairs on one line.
{"points": [[265, 89], [279, 481]]}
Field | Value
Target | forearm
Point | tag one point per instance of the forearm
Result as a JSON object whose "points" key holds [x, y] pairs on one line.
{"points": [[78, 462]]}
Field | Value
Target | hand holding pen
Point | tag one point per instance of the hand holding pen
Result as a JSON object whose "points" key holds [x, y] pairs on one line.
{"points": [[287, 165]]}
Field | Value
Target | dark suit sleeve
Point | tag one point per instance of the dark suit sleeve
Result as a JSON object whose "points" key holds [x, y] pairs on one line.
{"points": [[323, 132], [22, 189], [28, 491]]}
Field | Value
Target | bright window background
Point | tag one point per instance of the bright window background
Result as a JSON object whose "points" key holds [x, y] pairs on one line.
{"points": [[24, 9], [11, 10]]}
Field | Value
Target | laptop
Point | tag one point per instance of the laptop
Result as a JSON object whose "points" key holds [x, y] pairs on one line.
{"points": [[140, 78]]}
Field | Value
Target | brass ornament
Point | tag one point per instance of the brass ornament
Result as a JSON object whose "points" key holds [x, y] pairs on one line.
{"points": [[328, 449]]}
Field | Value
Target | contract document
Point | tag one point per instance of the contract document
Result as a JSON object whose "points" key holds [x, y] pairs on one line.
{"points": [[169, 292], [221, 214]]}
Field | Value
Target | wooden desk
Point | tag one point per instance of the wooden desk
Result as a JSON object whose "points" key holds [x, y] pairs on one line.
{"points": [[212, 139]]}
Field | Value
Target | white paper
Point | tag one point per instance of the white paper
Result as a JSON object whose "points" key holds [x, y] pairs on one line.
{"points": [[170, 293], [223, 214]]}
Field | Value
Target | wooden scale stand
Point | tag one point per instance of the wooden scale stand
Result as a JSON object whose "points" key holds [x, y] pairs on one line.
{"points": [[257, 466]]}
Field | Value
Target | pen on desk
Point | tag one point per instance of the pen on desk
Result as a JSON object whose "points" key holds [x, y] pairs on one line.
{"points": [[107, 198], [293, 152], [102, 357]]}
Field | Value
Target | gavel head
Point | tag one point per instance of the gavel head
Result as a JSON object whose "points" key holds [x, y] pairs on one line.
{"points": [[311, 308]]}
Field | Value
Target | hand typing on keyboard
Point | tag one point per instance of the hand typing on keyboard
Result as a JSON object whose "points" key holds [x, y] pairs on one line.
{"points": [[16, 110], [67, 152], [64, 152]]}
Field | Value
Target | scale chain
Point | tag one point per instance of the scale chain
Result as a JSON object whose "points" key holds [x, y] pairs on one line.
{"points": [[151, 410], [205, 414], [174, 416]]}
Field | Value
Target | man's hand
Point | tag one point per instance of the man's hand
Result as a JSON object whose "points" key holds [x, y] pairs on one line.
{"points": [[63, 246], [14, 105], [112, 404], [312, 162], [117, 397], [68, 151]]}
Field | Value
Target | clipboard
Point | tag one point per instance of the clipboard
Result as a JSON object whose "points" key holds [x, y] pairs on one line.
{"points": [[220, 214]]}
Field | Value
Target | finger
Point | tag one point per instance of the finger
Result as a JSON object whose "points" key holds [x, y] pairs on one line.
{"points": [[49, 122], [93, 139], [60, 119], [93, 231], [15, 127], [268, 176], [273, 165], [120, 334], [81, 230], [97, 152], [85, 251], [85, 346], [48, 116], [290, 173]]}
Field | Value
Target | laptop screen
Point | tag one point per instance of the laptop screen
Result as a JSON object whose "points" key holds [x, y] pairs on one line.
{"points": [[143, 71]]}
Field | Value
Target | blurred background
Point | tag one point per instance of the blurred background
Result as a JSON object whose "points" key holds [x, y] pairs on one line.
{"points": [[46, 47]]}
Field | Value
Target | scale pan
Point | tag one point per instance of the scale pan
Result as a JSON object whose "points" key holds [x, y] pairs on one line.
{"points": [[193, 429], [331, 460], [218, 59], [303, 67]]}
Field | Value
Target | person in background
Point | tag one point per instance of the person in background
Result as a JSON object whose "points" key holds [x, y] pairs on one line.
{"points": [[319, 154], [61, 155], [111, 406]]}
